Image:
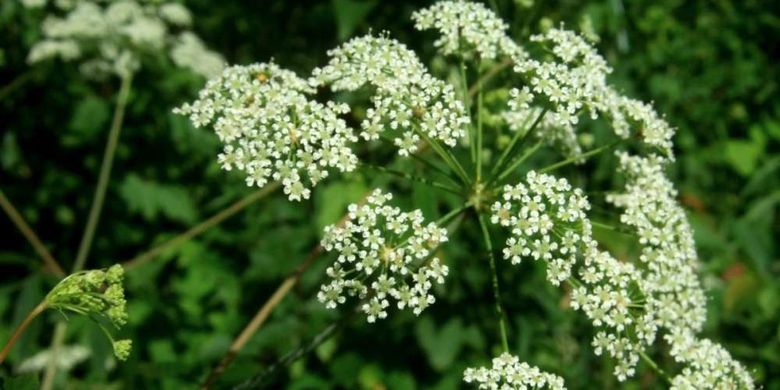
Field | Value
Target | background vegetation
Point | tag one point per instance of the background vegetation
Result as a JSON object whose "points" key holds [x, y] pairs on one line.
{"points": [[710, 66]]}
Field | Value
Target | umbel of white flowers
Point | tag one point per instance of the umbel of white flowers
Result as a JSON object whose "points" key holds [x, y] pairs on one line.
{"points": [[383, 254], [115, 37], [273, 129]]}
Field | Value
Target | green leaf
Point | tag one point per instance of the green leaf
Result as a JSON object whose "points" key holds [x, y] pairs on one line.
{"points": [[333, 199], [151, 199], [350, 14], [743, 156], [89, 119], [443, 345]]}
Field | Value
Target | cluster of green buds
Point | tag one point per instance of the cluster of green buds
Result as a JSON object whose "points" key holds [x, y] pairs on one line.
{"points": [[97, 294]]}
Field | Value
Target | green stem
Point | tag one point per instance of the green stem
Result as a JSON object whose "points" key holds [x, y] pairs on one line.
{"points": [[479, 134], [51, 366], [518, 136], [452, 214], [21, 328], [467, 104], [496, 290], [530, 152], [105, 173], [577, 158], [414, 178], [16, 83], [655, 367], [446, 156]]}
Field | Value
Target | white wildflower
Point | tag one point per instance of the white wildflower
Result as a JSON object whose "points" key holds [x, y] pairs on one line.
{"points": [[190, 52], [548, 221], [508, 373], [708, 365], [271, 129], [408, 102], [384, 254], [114, 37], [466, 27]]}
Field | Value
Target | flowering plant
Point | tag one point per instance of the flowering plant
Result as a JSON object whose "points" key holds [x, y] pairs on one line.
{"points": [[273, 126]]}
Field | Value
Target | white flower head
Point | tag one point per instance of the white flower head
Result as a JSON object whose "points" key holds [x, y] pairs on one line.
{"points": [[466, 28], [508, 373], [408, 102], [707, 365], [548, 221], [115, 37], [271, 129], [574, 81], [384, 255]]}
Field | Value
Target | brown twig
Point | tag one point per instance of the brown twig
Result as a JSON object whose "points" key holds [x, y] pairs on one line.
{"points": [[201, 227], [20, 329], [49, 261], [265, 310]]}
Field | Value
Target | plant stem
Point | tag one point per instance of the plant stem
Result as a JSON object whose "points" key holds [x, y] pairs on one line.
{"points": [[20, 329], [105, 173], [530, 152], [479, 134], [13, 214], [259, 318], [16, 83], [577, 158], [655, 367], [414, 178], [496, 290], [201, 227], [518, 136], [467, 104], [446, 156], [94, 216]]}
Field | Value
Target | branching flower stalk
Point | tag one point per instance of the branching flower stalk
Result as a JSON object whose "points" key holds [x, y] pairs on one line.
{"points": [[96, 294], [274, 126]]}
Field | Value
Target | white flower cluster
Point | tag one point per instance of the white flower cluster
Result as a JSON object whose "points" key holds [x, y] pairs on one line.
{"points": [[383, 253], [466, 27], [271, 129], [668, 250], [521, 116], [407, 99], [548, 222], [611, 298], [114, 37], [574, 82], [709, 365], [508, 373], [190, 52]]}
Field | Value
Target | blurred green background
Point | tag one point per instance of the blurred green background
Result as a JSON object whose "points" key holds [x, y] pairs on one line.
{"points": [[709, 66]]}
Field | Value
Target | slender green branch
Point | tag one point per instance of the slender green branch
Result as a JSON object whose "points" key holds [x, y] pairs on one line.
{"points": [[446, 156], [414, 178], [577, 158], [655, 367], [51, 366], [105, 173], [497, 68], [16, 83], [479, 134], [530, 152], [452, 214], [496, 290], [517, 138], [13, 214]]}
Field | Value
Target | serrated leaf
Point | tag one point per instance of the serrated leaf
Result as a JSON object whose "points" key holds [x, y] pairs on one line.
{"points": [[151, 199]]}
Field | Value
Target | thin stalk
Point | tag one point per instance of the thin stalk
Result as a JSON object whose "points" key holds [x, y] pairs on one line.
{"points": [[105, 173], [496, 290], [479, 134], [94, 216], [20, 329], [655, 367], [414, 178], [580, 157], [492, 72], [453, 213], [518, 136], [467, 104], [13, 214], [446, 156], [448, 175], [201, 227], [530, 152]]}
